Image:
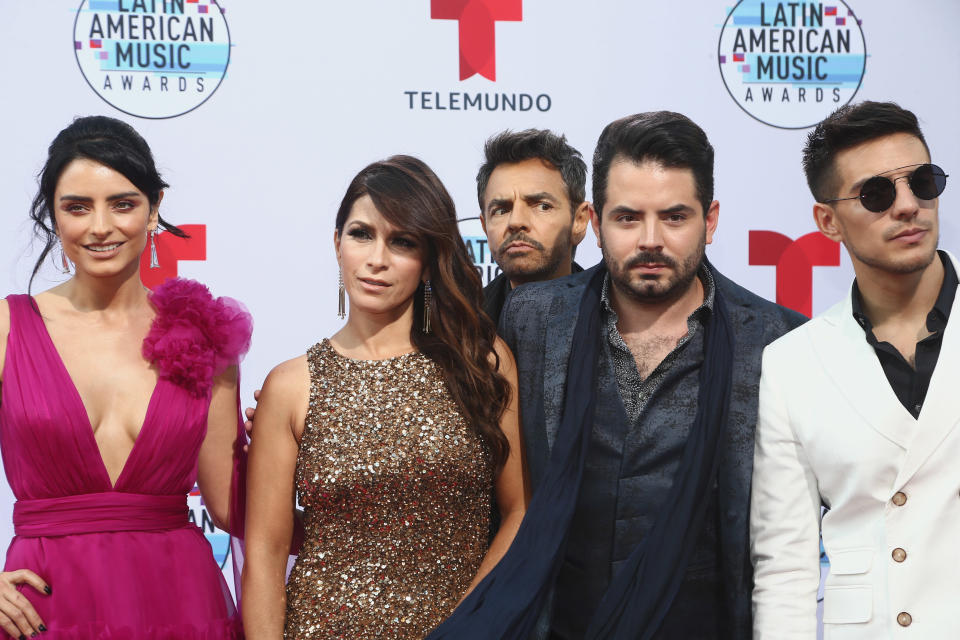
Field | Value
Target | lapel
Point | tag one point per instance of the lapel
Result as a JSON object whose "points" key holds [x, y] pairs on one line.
{"points": [[852, 365], [558, 341], [941, 411]]}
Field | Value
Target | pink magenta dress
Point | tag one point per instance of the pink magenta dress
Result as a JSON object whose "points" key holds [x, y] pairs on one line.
{"points": [[122, 561]]}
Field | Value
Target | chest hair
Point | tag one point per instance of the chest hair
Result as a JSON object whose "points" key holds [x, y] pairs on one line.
{"points": [[649, 350]]}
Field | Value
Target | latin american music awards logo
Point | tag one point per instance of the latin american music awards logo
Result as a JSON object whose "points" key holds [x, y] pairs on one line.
{"points": [[790, 64], [219, 540], [152, 58], [478, 249]]}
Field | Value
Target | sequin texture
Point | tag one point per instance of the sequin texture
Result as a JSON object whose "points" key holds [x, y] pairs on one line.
{"points": [[396, 494]]}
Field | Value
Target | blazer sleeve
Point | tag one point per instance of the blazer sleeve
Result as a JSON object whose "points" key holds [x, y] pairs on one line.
{"points": [[784, 517]]}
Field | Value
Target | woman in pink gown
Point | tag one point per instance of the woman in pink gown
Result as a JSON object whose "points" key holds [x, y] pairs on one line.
{"points": [[114, 401]]}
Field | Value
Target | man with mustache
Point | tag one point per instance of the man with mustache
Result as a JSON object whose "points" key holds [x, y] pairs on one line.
{"points": [[858, 408], [531, 193], [647, 365]]}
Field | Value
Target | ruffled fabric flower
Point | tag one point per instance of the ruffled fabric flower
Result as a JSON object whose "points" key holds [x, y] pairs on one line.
{"points": [[195, 336]]}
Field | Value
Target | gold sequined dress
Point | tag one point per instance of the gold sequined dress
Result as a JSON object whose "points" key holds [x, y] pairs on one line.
{"points": [[395, 488]]}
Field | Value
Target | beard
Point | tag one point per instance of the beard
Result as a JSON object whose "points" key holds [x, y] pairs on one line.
{"points": [[540, 264], [653, 287]]}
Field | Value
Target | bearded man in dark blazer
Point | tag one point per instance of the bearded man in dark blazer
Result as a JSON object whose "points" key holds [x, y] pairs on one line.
{"points": [[673, 397]]}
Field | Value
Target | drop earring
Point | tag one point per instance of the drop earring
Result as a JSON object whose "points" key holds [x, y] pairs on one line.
{"points": [[154, 261], [65, 266], [427, 299], [341, 297]]}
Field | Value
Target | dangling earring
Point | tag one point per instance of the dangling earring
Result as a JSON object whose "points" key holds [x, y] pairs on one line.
{"points": [[427, 299], [341, 297], [154, 261], [63, 259]]}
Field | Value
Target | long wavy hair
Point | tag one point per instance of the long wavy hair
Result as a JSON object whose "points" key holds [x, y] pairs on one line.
{"points": [[410, 196], [110, 142]]}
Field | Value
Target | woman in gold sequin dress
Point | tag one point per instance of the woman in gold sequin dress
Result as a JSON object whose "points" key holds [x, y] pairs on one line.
{"points": [[393, 433]]}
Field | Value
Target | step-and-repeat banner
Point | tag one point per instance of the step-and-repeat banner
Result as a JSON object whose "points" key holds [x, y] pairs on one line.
{"points": [[260, 113]]}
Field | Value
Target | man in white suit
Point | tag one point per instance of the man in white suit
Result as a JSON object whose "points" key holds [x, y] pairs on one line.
{"points": [[859, 408]]}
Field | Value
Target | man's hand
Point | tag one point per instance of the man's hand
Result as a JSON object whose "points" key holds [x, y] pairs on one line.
{"points": [[248, 425]]}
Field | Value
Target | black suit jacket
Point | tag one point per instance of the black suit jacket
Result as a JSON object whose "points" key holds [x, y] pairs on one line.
{"points": [[495, 293], [538, 322]]}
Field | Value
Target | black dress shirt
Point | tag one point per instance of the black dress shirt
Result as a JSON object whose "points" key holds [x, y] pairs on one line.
{"points": [[909, 383]]}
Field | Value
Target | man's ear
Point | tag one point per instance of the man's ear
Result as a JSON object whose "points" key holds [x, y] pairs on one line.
{"points": [[826, 218], [581, 218], [594, 222], [712, 218]]}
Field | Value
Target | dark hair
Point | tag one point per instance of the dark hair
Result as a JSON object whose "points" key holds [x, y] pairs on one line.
{"points": [[667, 138], [112, 143], [410, 196], [847, 127], [509, 147]]}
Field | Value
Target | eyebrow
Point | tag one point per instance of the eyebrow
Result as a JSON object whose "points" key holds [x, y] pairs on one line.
{"points": [[497, 202], [526, 197], [359, 224], [393, 233], [118, 196], [536, 197], [677, 208], [859, 183]]}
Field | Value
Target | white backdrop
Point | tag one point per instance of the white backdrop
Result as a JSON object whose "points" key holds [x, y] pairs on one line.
{"points": [[316, 90]]}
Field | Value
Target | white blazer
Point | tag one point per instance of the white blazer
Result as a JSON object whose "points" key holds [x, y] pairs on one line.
{"points": [[832, 431]]}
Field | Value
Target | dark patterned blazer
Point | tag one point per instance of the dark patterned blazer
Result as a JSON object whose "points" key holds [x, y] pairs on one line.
{"points": [[495, 293], [538, 322]]}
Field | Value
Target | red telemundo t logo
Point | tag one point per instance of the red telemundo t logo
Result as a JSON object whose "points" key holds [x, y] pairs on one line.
{"points": [[794, 260], [171, 250], [477, 20]]}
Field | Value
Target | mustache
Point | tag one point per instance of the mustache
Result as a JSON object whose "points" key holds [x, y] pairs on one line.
{"points": [[519, 237], [925, 225], [648, 257]]}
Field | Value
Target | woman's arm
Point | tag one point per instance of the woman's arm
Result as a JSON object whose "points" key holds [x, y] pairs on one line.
{"points": [[512, 485], [18, 618], [271, 497], [4, 332], [215, 464]]}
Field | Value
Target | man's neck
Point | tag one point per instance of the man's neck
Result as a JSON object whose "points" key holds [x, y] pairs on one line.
{"points": [[565, 269], [899, 298]]}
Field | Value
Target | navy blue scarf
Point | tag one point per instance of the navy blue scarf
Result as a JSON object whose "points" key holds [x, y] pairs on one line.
{"points": [[508, 602]]}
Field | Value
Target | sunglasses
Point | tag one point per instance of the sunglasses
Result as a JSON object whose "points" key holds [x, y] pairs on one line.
{"points": [[877, 194]]}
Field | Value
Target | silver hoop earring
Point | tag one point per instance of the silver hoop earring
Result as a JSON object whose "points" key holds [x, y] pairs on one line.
{"points": [[427, 299], [341, 297], [154, 261]]}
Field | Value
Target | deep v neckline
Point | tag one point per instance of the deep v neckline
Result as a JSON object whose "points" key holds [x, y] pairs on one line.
{"points": [[78, 399]]}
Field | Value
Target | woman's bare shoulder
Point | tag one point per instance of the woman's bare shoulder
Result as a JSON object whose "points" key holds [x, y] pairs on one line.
{"points": [[287, 382]]}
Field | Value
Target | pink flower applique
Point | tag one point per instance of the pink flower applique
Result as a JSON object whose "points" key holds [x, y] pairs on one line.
{"points": [[195, 336]]}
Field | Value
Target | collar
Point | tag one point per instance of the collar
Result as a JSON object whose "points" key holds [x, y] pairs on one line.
{"points": [[938, 315]]}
